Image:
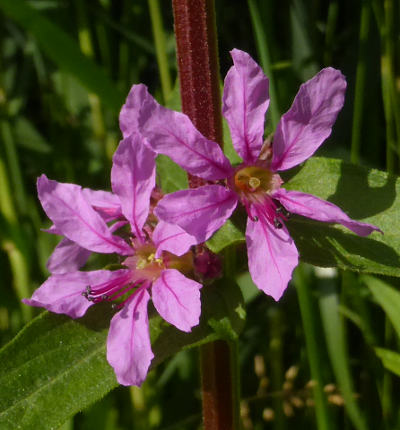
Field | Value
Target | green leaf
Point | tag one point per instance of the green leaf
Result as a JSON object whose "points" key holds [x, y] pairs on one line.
{"points": [[53, 368], [390, 359], [387, 297], [29, 137], [367, 195], [337, 348], [222, 317], [171, 177], [57, 366], [229, 150], [64, 51], [227, 235], [249, 289]]}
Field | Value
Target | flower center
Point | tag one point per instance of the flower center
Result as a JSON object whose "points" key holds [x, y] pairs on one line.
{"points": [[251, 179], [144, 263], [255, 186]]}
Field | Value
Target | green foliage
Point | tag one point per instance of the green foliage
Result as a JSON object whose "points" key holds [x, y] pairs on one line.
{"points": [[390, 359], [337, 348], [63, 50], [352, 188], [65, 67], [366, 195], [387, 297], [56, 360]]}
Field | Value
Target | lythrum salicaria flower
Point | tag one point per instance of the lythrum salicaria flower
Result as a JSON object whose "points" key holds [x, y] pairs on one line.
{"points": [[255, 183], [154, 259]]}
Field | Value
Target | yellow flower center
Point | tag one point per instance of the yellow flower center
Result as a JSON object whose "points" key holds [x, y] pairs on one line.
{"points": [[252, 179], [145, 265]]}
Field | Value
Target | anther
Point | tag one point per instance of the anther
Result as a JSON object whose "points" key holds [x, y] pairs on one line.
{"points": [[87, 292], [253, 218], [277, 223], [283, 211]]}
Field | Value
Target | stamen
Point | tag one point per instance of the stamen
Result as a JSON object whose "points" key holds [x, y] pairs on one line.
{"points": [[277, 223], [254, 182], [283, 211]]}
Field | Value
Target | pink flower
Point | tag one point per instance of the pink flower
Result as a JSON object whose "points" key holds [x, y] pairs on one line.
{"points": [[256, 184], [153, 260]]}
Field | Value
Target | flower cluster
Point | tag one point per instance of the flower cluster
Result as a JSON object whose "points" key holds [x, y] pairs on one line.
{"points": [[156, 260], [255, 183]]}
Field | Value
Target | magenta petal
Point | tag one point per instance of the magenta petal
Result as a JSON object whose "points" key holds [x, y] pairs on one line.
{"points": [[177, 299], [245, 102], [173, 134], [312, 207], [309, 121], [67, 257], [62, 293], [74, 217], [199, 211], [105, 203], [171, 238], [129, 115], [128, 343], [133, 177], [272, 257]]}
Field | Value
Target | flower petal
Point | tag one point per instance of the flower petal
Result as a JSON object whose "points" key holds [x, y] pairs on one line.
{"points": [[128, 343], [171, 238], [133, 177], [309, 121], [129, 115], [312, 207], [173, 134], [74, 217], [245, 102], [67, 257], [199, 211], [272, 256], [177, 299], [62, 293], [105, 203]]}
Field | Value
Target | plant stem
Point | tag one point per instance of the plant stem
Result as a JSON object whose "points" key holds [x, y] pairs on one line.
{"points": [[217, 387], [197, 58], [265, 57], [86, 46], [159, 41], [324, 420], [360, 84], [198, 65]]}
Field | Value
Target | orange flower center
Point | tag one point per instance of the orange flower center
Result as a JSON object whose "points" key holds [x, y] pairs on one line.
{"points": [[251, 179]]}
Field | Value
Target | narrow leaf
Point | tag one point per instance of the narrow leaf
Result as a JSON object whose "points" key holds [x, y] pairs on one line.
{"points": [[64, 51], [387, 297], [336, 343], [390, 359]]}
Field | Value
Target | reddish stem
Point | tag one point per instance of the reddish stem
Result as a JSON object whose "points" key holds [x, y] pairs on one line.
{"points": [[196, 41], [217, 389], [198, 68]]}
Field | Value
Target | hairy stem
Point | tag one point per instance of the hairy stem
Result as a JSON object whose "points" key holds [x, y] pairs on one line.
{"points": [[197, 58]]}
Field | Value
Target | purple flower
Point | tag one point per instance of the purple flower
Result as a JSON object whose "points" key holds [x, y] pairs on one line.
{"points": [[153, 263], [255, 183]]}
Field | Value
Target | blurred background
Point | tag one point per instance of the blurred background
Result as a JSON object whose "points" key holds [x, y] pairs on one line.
{"points": [[66, 67]]}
